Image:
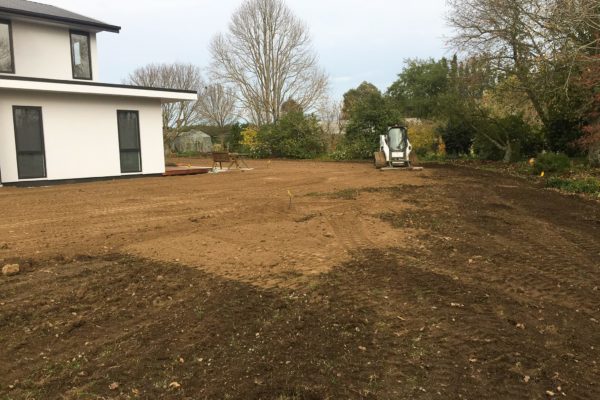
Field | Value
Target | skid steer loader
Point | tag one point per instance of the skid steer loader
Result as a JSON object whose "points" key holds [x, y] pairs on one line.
{"points": [[395, 150]]}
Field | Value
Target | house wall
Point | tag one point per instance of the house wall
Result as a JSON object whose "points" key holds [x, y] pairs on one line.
{"points": [[44, 51], [81, 134]]}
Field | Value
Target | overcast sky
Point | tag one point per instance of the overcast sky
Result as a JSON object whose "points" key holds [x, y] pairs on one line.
{"points": [[356, 40]]}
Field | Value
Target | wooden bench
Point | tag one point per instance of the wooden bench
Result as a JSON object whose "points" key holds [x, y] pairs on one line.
{"points": [[231, 158], [220, 158]]}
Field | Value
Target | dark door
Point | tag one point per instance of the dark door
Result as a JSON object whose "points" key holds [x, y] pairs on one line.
{"points": [[29, 138], [129, 141]]}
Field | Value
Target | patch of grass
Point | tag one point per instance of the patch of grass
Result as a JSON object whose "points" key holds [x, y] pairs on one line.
{"points": [[345, 194], [587, 186], [199, 312], [392, 190], [352, 194], [443, 158], [377, 189], [432, 157]]}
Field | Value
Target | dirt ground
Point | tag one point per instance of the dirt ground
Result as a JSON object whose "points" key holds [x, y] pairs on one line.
{"points": [[301, 280]]}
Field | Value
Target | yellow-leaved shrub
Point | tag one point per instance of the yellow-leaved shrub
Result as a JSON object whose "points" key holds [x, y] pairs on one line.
{"points": [[425, 138]]}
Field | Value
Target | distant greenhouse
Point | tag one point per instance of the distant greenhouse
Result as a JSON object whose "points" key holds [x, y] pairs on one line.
{"points": [[192, 142]]}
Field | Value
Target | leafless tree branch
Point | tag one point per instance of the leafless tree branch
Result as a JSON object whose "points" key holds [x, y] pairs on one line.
{"points": [[266, 56], [178, 115], [217, 105]]}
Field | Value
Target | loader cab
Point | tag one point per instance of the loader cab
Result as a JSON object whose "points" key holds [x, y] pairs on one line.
{"points": [[398, 138], [394, 150], [399, 148]]}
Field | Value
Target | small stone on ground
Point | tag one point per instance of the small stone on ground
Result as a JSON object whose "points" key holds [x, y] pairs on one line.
{"points": [[11, 269]]}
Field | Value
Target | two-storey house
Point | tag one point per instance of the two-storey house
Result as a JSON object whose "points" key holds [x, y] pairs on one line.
{"points": [[57, 121]]}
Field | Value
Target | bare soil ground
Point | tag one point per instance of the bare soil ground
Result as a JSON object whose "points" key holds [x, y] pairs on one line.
{"points": [[450, 283]]}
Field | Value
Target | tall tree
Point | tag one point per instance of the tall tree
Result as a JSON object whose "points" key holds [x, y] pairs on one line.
{"points": [[590, 142], [369, 113], [217, 105], [420, 87], [540, 42], [178, 115], [330, 115], [267, 57], [353, 96]]}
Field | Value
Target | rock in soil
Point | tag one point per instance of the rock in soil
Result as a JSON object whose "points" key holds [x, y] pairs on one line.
{"points": [[11, 269]]}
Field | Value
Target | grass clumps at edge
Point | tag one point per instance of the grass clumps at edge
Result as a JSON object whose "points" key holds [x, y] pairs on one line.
{"points": [[586, 186]]}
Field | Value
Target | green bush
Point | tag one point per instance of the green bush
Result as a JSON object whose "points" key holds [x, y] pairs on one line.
{"points": [[293, 136], [562, 132], [357, 149], [458, 135], [425, 138], [551, 163], [525, 140], [235, 137], [589, 185], [433, 157]]}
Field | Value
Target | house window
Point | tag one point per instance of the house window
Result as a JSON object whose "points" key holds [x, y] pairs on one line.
{"points": [[7, 64], [81, 55], [129, 141], [29, 138]]}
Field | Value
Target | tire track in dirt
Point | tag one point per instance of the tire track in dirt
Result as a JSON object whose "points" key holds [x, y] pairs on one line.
{"points": [[546, 277], [349, 231], [538, 255], [316, 285], [455, 335]]}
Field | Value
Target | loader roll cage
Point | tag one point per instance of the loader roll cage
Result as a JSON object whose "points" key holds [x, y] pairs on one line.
{"points": [[398, 138]]}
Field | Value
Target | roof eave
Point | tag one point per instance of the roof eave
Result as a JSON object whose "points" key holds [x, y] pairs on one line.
{"points": [[97, 25], [95, 88]]}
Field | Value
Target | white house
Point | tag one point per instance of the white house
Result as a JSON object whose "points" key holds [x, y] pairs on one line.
{"points": [[57, 121]]}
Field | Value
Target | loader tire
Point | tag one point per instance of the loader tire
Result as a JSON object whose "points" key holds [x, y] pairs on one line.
{"points": [[379, 159], [413, 159]]}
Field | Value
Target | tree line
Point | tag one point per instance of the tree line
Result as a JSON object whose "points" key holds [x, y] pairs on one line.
{"points": [[525, 79]]}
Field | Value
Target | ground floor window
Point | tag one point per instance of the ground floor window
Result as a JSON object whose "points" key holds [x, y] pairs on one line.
{"points": [[29, 138], [129, 141]]}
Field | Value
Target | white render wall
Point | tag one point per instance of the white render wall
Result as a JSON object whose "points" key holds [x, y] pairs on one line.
{"points": [[44, 51], [81, 134]]}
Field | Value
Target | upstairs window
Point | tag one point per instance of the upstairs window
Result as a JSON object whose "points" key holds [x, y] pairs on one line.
{"points": [[7, 64], [81, 55]]}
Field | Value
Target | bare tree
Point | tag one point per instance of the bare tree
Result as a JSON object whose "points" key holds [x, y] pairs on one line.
{"points": [[580, 27], [267, 57], [177, 115], [330, 113], [538, 41], [217, 105]]}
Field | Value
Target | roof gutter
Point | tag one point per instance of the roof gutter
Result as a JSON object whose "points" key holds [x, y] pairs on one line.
{"points": [[98, 25], [97, 84]]}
